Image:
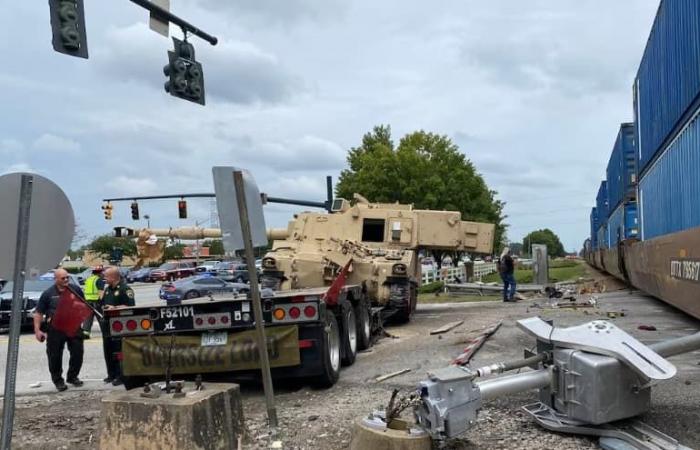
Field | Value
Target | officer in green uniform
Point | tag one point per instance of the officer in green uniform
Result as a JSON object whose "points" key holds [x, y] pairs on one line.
{"points": [[117, 294]]}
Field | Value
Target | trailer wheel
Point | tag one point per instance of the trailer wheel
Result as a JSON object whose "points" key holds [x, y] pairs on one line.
{"points": [[330, 352], [349, 335], [364, 330]]}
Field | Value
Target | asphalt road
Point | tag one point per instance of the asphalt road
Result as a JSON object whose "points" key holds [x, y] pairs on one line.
{"points": [[33, 365]]}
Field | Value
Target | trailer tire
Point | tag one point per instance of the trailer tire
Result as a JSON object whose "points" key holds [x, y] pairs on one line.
{"points": [[364, 327], [349, 335], [330, 352]]}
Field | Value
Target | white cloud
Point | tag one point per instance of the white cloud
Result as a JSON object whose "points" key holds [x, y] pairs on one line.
{"points": [[11, 146], [53, 143], [123, 185]]}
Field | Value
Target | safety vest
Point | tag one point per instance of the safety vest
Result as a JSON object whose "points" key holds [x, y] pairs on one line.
{"points": [[91, 292]]}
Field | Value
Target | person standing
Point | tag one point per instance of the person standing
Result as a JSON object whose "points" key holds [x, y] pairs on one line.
{"points": [[94, 286], [116, 294], [507, 270], [56, 339]]}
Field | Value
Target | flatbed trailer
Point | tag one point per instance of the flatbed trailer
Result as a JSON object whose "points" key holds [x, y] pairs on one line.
{"points": [[310, 334]]}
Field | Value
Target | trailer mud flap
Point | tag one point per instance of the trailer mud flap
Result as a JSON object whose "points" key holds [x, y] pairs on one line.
{"points": [[149, 355]]}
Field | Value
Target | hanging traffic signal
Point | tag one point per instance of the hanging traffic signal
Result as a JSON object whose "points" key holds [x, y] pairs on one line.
{"points": [[135, 211], [182, 209], [107, 208], [185, 76], [68, 27]]}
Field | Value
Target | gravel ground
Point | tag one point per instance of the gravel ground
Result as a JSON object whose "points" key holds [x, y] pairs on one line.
{"points": [[323, 419]]}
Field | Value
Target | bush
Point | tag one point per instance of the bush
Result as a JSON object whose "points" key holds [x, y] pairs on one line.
{"points": [[431, 288], [561, 263]]}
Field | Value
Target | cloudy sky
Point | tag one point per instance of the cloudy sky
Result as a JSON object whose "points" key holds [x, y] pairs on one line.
{"points": [[532, 91]]}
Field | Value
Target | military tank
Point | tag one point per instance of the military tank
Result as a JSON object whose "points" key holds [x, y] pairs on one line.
{"points": [[378, 243]]}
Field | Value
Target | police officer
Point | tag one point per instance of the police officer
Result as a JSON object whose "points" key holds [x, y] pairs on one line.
{"points": [[94, 286], [117, 294], [55, 339]]}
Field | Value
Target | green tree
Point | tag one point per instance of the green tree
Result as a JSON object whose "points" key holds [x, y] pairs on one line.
{"points": [[104, 244], [175, 251], [546, 237], [516, 248], [425, 169], [216, 246]]}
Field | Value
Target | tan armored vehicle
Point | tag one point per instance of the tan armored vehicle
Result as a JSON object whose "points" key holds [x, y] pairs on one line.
{"points": [[380, 241]]}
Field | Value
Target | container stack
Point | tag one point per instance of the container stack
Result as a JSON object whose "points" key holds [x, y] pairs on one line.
{"points": [[645, 228]]}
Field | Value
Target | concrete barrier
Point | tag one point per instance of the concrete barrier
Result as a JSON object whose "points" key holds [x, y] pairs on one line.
{"points": [[208, 419]]}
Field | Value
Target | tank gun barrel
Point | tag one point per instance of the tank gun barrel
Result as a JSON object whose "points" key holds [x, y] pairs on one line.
{"points": [[191, 233]]}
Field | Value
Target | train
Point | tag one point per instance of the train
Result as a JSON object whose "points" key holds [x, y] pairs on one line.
{"points": [[645, 225]]}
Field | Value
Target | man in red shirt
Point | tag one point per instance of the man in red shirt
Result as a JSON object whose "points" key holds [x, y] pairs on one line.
{"points": [[59, 331]]}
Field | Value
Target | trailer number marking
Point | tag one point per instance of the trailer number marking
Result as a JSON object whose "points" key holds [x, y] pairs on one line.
{"points": [[686, 269], [176, 312]]}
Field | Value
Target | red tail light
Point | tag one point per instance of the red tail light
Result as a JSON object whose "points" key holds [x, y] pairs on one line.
{"points": [[310, 311], [199, 321], [224, 319], [131, 325], [117, 326], [306, 343], [294, 312], [212, 320]]}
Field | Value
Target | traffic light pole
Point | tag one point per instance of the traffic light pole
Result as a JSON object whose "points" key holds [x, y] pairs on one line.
{"points": [[166, 15]]}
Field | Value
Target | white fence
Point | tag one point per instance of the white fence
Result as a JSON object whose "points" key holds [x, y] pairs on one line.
{"points": [[449, 274]]}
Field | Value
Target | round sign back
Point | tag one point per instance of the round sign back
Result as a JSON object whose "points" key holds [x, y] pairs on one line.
{"points": [[51, 225]]}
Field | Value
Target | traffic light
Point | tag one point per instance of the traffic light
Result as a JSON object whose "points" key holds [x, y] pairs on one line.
{"points": [[68, 27], [135, 211], [107, 208], [185, 76], [182, 209]]}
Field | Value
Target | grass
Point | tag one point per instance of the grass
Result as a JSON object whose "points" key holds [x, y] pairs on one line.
{"points": [[559, 270], [444, 298]]}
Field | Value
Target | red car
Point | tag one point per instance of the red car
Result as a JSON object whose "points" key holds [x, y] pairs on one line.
{"points": [[172, 271]]}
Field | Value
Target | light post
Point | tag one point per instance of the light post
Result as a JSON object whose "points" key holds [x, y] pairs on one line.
{"points": [[148, 220]]}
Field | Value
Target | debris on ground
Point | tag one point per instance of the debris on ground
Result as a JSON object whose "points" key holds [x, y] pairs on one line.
{"points": [[647, 328], [447, 327], [475, 344], [395, 408], [391, 375]]}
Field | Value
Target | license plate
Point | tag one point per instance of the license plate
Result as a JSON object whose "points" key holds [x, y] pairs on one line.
{"points": [[214, 339]]}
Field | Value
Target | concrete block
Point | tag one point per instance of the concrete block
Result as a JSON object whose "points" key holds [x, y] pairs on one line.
{"points": [[207, 420]]}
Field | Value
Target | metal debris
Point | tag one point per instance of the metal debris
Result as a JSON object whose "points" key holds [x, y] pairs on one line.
{"points": [[447, 327], [391, 375]]}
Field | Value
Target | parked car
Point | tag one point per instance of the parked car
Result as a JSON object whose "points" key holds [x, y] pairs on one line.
{"points": [[207, 266], [84, 275], [32, 292], [172, 271], [143, 275], [232, 271], [49, 276], [198, 286]]}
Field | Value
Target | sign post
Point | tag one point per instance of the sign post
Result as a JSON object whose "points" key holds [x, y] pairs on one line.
{"points": [[8, 413], [243, 227]]}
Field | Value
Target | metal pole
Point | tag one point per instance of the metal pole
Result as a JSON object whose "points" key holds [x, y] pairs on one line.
{"points": [[677, 346], [329, 193], [514, 384], [255, 294], [170, 17], [8, 413]]}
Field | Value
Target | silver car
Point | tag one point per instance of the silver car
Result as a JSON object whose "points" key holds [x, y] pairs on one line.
{"points": [[198, 286]]}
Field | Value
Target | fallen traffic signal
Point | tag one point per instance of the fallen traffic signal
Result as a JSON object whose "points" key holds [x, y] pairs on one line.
{"points": [[185, 76], [68, 27], [135, 211]]}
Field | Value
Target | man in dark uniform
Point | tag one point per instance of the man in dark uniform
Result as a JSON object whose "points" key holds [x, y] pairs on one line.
{"points": [[55, 339], [117, 294]]}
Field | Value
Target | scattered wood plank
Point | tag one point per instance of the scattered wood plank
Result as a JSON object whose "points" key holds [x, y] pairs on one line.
{"points": [[447, 327], [391, 375], [475, 344]]}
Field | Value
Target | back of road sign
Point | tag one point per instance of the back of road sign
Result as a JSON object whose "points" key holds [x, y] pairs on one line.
{"points": [[51, 225], [227, 205]]}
